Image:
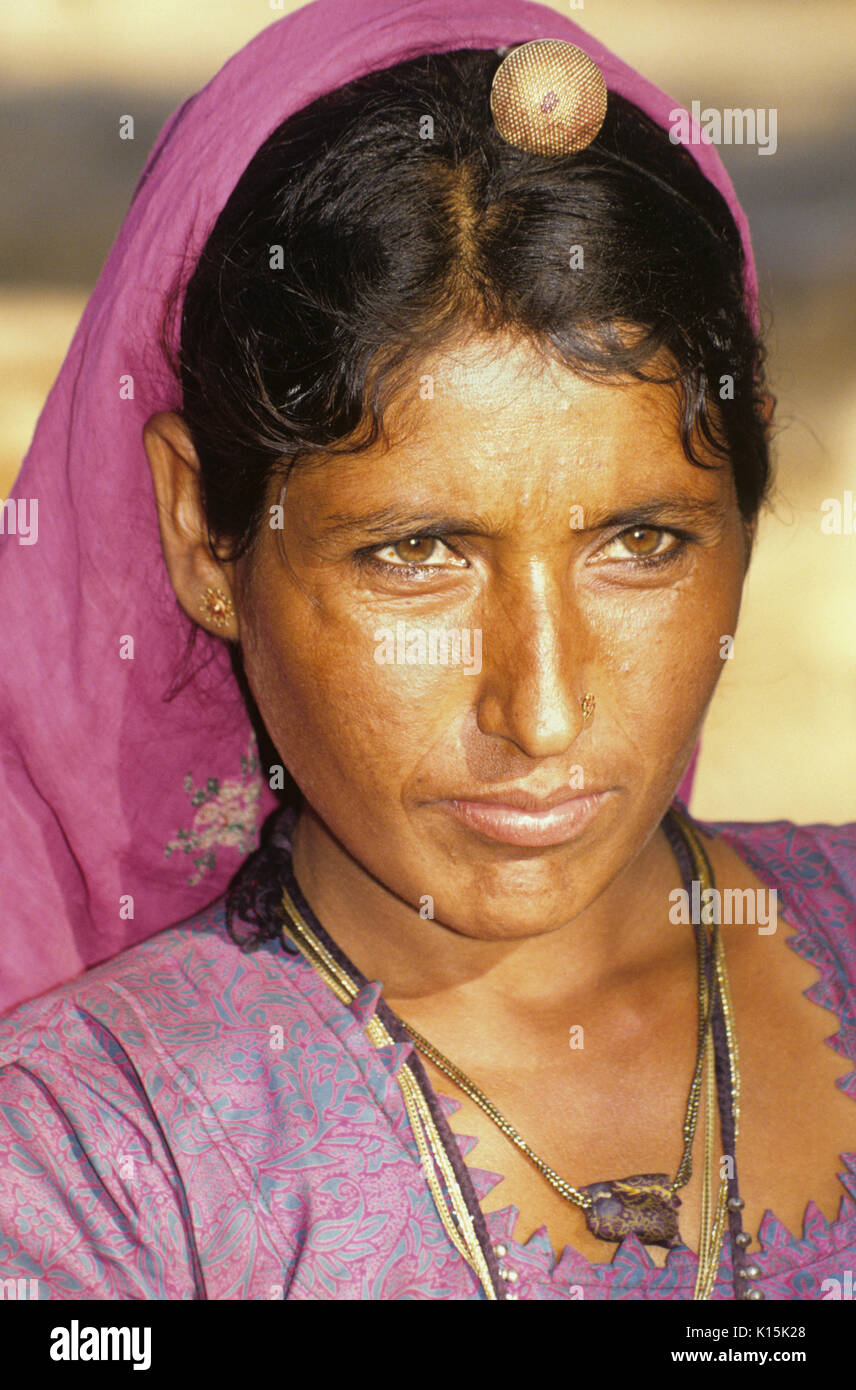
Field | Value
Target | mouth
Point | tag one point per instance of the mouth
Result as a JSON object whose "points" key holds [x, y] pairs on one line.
{"points": [[532, 828]]}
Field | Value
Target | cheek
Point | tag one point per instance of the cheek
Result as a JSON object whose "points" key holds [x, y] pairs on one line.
{"points": [[337, 715], [661, 654]]}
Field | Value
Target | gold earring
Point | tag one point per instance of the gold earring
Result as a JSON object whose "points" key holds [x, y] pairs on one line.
{"points": [[587, 707], [216, 606]]}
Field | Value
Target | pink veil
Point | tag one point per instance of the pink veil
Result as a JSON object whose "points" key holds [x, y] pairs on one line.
{"points": [[125, 813]]}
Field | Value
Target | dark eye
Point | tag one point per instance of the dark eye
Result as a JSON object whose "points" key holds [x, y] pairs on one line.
{"points": [[416, 551], [642, 540], [646, 543]]}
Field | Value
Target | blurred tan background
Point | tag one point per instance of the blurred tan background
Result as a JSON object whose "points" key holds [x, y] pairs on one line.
{"points": [[780, 739]]}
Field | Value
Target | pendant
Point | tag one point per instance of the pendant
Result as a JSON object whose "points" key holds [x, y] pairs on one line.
{"points": [[643, 1206]]}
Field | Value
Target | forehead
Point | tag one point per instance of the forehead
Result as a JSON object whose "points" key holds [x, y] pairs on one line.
{"points": [[495, 422], [508, 392]]}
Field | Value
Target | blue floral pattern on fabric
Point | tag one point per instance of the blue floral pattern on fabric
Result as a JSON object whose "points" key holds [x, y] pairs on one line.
{"points": [[195, 1121]]}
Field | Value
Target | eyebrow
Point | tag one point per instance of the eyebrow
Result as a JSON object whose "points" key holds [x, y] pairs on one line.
{"points": [[394, 520]]}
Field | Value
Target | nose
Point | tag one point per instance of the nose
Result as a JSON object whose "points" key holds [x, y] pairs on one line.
{"points": [[534, 647]]}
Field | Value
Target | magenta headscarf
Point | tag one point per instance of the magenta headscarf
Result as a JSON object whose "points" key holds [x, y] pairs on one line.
{"points": [[124, 813]]}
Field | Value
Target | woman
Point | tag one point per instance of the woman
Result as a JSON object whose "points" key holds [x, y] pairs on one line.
{"points": [[449, 467]]}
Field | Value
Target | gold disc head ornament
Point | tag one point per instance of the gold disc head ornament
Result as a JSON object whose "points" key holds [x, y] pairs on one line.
{"points": [[548, 97]]}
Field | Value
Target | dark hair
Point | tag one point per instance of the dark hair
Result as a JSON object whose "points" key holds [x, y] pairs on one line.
{"points": [[397, 237]]}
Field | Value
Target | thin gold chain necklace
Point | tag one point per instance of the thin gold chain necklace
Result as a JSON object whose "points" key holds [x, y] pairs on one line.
{"points": [[458, 1221], [583, 1198]]}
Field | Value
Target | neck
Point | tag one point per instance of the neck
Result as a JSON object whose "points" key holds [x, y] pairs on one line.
{"points": [[624, 931]]}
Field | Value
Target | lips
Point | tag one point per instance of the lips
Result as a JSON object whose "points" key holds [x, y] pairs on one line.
{"points": [[518, 800], [526, 820]]}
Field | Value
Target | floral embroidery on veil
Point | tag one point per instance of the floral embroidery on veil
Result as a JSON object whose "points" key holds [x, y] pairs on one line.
{"points": [[227, 815]]}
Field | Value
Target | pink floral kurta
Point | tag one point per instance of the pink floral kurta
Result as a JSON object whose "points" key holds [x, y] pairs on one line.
{"points": [[193, 1121]]}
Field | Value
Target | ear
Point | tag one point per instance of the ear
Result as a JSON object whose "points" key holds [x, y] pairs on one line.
{"points": [[181, 517], [768, 406]]}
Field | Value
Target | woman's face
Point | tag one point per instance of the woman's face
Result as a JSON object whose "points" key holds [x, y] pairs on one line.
{"points": [[565, 546]]}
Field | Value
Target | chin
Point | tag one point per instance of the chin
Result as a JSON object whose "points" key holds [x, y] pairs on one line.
{"points": [[510, 916]]}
